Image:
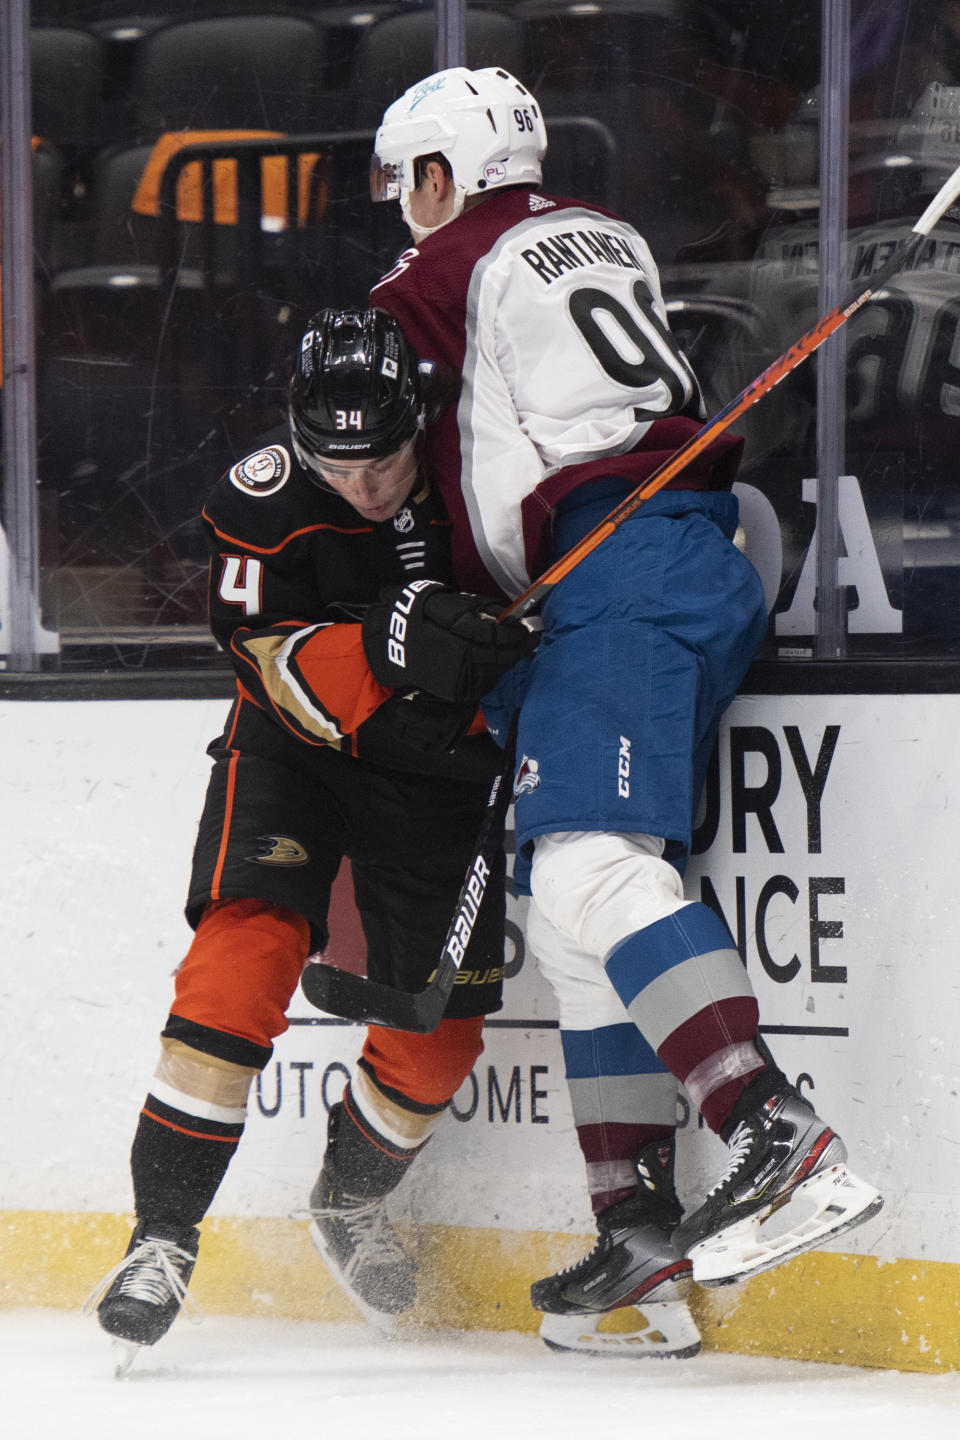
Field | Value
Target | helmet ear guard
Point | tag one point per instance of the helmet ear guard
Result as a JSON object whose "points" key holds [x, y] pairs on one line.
{"points": [[355, 391], [485, 123]]}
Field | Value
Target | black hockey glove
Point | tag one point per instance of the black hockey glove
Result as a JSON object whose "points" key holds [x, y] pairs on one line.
{"points": [[421, 721], [425, 636]]}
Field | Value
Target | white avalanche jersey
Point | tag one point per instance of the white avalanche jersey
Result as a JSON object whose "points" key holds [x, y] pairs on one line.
{"points": [[552, 312]]}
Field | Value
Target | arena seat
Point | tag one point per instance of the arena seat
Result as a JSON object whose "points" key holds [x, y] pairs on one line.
{"points": [[66, 76], [230, 73], [396, 52]]}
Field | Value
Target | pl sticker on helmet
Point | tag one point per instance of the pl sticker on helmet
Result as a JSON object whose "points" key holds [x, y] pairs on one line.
{"points": [[263, 473]]}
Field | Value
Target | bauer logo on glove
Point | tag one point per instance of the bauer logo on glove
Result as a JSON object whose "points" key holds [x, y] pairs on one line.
{"points": [[397, 632], [427, 636]]}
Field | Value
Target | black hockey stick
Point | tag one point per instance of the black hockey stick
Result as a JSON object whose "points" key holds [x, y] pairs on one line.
{"points": [[339, 992], [774, 373]]}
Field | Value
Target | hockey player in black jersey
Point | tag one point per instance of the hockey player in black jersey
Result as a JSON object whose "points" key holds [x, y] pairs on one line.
{"points": [[351, 734]]}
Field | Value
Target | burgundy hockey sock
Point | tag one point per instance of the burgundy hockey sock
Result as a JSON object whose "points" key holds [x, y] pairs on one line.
{"points": [[610, 1152], [622, 1098], [686, 989]]}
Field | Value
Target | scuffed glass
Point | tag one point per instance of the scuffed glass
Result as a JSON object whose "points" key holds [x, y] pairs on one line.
{"points": [[898, 494], [715, 114], [200, 176], [711, 109], [903, 386], [205, 192]]}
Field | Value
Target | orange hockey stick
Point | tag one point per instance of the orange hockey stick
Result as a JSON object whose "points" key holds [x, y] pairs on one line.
{"points": [[773, 374]]}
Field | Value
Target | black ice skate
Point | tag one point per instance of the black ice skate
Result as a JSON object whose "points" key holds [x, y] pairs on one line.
{"points": [[140, 1298], [787, 1188], [356, 1240], [351, 1229], [635, 1263]]}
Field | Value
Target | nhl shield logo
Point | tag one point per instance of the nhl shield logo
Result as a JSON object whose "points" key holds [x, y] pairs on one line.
{"points": [[403, 520]]}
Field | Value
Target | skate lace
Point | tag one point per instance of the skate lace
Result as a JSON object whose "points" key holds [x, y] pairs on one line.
{"points": [[580, 1264], [150, 1273], [371, 1234], [740, 1144]]}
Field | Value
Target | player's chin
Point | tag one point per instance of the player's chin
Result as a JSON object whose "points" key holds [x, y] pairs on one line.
{"points": [[383, 509]]}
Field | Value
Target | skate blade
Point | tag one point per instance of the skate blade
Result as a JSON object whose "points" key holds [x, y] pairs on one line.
{"points": [[383, 1321], [124, 1353], [659, 1332], [827, 1205]]}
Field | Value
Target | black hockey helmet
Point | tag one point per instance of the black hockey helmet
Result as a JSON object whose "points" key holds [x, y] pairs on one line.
{"points": [[355, 393]]}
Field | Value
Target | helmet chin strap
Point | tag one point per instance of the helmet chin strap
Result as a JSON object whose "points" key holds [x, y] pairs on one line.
{"points": [[420, 232]]}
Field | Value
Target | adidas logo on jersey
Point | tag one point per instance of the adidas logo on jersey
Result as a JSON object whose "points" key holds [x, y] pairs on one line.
{"points": [[538, 203]]}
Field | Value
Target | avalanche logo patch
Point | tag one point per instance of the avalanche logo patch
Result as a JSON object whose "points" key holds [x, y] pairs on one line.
{"points": [[280, 850], [264, 473], [527, 777]]}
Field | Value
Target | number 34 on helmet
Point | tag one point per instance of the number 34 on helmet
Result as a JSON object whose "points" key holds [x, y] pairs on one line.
{"points": [[355, 393]]}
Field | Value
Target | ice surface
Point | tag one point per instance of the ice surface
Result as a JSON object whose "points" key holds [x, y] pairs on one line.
{"points": [[233, 1379]]}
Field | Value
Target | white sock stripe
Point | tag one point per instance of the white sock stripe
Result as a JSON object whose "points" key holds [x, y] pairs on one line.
{"points": [[407, 1129], [202, 1109], [728, 1064], [610, 1175]]}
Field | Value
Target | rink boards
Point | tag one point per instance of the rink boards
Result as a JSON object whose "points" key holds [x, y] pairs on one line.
{"points": [[829, 841]]}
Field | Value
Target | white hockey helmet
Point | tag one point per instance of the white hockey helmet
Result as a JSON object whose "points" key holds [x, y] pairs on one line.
{"points": [[487, 126]]}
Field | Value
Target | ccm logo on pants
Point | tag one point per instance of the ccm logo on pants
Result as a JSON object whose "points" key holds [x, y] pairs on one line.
{"points": [[623, 769]]}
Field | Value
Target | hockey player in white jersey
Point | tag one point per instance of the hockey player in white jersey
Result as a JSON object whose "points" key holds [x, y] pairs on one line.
{"points": [[573, 392]]}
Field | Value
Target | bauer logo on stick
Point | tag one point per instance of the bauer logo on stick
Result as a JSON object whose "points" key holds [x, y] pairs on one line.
{"points": [[473, 894]]}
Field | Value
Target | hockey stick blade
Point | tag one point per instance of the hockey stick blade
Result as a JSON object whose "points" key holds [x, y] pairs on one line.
{"points": [[354, 997], [368, 1002], [941, 203]]}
